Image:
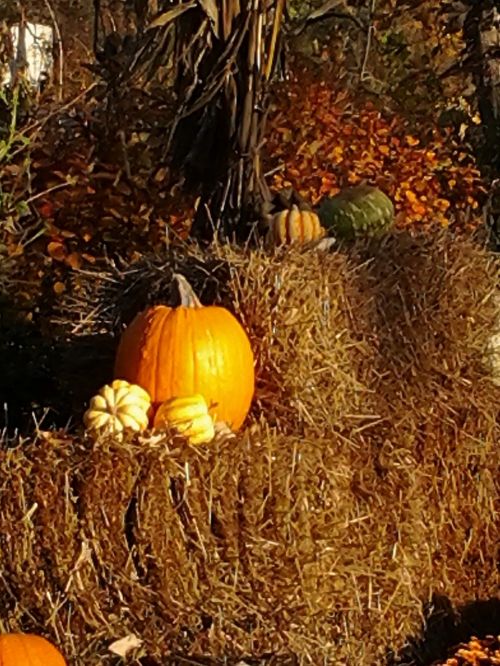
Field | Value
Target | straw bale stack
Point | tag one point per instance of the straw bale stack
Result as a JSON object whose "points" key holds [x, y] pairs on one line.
{"points": [[365, 482]]}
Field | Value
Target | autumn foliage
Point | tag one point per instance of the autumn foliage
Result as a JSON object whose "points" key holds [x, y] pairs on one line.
{"points": [[321, 139], [476, 653]]}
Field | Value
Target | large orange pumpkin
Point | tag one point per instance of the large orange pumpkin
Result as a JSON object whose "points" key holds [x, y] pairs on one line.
{"points": [[177, 352], [28, 650]]}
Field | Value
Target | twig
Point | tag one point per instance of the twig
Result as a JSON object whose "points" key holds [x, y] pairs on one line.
{"points": [[60, 48], [123, 143], [371, 30], [97, 11], [280, 167], [50, 189], [278, 16]]}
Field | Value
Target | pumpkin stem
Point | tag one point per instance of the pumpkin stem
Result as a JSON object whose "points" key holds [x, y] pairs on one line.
{"points": [[188, 298]]}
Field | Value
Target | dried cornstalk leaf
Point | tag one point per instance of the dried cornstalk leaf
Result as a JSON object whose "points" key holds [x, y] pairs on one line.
{"points": [[230, 10], [278, 18], [170, 15], [210, 9]]}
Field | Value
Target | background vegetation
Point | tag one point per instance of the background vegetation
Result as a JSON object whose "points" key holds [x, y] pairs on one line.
{"points": [[366, 480]]}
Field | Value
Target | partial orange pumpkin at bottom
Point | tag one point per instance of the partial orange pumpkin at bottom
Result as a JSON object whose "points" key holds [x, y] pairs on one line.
{"points": [[19, 649]]}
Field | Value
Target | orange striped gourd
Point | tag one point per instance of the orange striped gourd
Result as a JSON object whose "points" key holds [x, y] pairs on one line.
{"points": [[294, 226]]}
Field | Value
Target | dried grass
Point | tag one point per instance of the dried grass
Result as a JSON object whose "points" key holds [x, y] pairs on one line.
{"points": [[366, 481]]}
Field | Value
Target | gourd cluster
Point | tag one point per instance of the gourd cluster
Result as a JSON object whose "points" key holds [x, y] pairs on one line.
{"points": [[190, 369], [361, 211]]}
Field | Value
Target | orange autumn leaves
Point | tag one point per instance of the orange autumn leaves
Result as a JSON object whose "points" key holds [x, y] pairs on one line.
{"points": [[321, 141], [477, 652]]}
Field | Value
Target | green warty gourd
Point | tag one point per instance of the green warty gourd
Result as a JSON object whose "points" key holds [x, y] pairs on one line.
{"points": [[361, 211]]}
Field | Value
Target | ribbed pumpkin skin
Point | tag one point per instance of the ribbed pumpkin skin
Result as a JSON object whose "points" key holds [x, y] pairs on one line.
{"points": [[189, 417], [177, 352], [117, 407], [295, 226], [28, 650]]}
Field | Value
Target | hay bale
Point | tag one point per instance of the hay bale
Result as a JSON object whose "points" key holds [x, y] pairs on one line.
{"points": [[406, 313], [365, 483], [492, 355]]}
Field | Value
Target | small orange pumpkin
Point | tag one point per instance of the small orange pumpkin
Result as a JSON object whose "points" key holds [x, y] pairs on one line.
{"points": [[28, 650], [295, 226], [178, 352]]}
